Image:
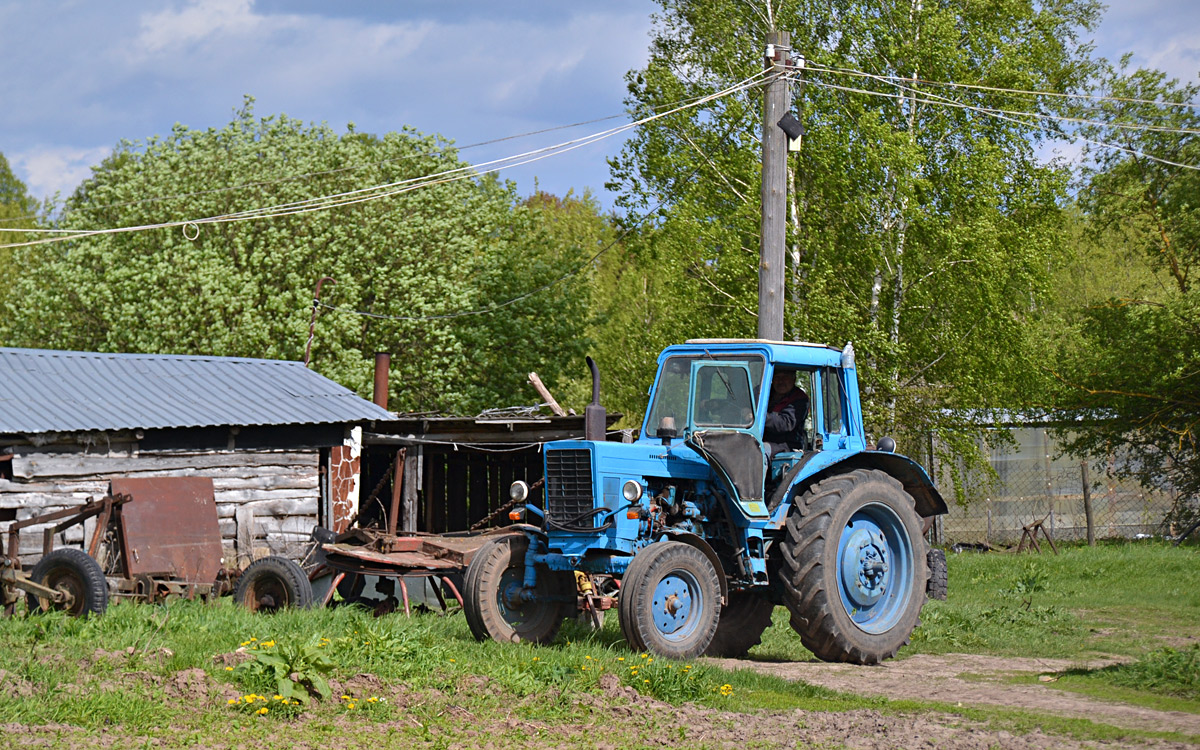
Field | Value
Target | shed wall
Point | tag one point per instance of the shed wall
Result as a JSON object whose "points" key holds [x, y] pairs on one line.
{"points": [[267, 500]]}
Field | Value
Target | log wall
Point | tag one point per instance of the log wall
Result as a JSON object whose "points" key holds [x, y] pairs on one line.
{"points": [[267, 500]]}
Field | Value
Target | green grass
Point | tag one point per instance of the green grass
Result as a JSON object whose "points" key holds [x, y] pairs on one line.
{"points": [[56, 675], [1128, 600], [1120, 598]]}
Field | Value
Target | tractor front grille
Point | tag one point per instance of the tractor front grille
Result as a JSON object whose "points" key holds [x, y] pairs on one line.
{"points": [[569, 486]]}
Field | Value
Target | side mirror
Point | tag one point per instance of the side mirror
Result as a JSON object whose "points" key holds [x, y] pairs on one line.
{"points": [[667, 430]]}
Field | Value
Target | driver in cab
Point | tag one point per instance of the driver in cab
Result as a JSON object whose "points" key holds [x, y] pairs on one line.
{"points": [[787, 408]]}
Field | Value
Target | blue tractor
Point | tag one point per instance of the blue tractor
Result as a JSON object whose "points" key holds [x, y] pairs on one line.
{"points": [[699, 529]]}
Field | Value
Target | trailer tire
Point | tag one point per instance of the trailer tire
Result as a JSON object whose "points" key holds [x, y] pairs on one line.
{"points": [[743, 621], [273, 583], [850, 574], [658, 574], [72, 570], [494, 581]]}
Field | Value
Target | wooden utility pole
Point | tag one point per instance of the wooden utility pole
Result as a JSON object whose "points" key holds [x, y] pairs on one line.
{"points": [[776, 103]]}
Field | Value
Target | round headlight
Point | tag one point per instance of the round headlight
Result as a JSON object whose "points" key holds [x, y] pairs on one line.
{"points": [[518, 491], [632, 491]]}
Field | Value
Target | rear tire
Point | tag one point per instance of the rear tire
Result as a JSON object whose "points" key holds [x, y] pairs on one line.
{"points": [[74, 571], [850, 576], [491, 596], [939, 577], [271, 584], [743, 621], [670, 600]]}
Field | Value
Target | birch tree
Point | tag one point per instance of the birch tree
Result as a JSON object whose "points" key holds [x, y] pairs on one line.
{"points": [[921, 227]]}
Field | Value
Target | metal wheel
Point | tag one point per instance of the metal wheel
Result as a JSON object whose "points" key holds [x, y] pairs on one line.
{"points": [[273, 583], [498, 607], [74, 573], [670, 600], [851, 577]]}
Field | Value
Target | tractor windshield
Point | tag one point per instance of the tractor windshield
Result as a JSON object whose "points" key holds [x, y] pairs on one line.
{"points": [[674, 385]]}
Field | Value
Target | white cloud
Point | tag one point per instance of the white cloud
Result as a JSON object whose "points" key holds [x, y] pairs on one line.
{"points": [[57, 169], [199, 19]]}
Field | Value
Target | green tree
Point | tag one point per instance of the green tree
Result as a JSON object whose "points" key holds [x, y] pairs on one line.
{"points": [[414, 261], [1131, 362], [17, 211], [924, 233]]}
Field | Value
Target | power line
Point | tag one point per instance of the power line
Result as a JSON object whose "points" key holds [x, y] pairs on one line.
{"points": [[376, 192], [322, 173], [575, 271], [998, 89], [891, 80], [1000, 114], [492, 308]]}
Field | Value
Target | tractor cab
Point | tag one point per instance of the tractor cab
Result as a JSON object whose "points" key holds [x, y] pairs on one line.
{"points": [[714, 396]]}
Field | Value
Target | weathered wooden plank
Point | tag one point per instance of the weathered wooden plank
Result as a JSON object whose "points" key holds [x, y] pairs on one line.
{"points": [[296, 481], [229, 476], [34, 465]]}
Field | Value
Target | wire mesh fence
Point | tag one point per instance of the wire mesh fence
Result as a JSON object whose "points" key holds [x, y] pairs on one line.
{"points": [[1067, 494]]}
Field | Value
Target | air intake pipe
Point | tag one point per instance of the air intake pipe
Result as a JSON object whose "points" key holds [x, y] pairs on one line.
{"points": [[594, 416]]}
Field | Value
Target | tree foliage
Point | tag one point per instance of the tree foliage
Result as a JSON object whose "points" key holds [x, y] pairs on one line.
{"points": [[413, 261], [924, 233], [1131, 362], [17, 211]]}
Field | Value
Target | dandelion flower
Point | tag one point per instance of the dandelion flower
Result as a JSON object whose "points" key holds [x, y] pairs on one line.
{"points": [[228, 669], [645, 680], [620, 658], [231, 701], [261, 711], [345, 697]]}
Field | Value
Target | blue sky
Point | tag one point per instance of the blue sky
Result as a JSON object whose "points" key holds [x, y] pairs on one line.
{"points": [[80, 75]]}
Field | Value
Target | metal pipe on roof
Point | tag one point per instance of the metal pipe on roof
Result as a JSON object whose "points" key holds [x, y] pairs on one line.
{"points": [[383, 363]]}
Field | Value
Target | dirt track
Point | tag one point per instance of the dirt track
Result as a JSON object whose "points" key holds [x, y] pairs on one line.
{"points": [[969, 679]]}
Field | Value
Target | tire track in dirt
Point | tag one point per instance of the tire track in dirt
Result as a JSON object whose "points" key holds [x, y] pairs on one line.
{"points": [[972, 679]]}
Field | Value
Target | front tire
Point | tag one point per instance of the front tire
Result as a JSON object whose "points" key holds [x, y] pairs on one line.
{"points": [[273, 583], [851, 577], [670, 601], [75, 572], [492, 595]]}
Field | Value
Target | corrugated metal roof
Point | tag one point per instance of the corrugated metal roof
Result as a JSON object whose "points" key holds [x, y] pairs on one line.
{"points": [[52, 391]]}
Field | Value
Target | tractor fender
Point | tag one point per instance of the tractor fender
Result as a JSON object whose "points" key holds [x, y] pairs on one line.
{"points": [[908, 472], [699, 543]]}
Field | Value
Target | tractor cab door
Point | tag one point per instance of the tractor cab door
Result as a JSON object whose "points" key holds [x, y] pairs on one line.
{"points": [[720, 427]]}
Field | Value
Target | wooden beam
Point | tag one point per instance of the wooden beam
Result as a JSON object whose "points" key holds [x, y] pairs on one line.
{"points": [[544, 392]]}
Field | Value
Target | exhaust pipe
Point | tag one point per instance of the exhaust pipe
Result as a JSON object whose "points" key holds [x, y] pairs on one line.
{"points": [[379, 394], [594, 416]]}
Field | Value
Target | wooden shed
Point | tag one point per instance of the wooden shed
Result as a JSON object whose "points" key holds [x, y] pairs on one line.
{"points": [[455, 472], [281, 443]]}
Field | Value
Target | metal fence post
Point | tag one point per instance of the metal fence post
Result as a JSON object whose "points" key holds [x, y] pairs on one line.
{"points": [[1087, 504]]}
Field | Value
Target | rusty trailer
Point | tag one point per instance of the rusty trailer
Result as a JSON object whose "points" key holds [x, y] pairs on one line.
{"points": [[154, 538]]}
